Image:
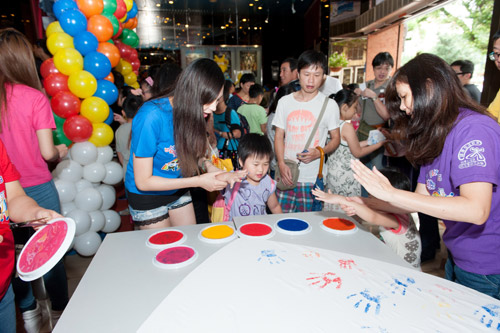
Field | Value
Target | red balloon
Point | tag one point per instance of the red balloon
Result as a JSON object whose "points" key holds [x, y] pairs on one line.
{"points": [[55, 83], [77, 128], [134, 54], [125, 50], [48, 68], [65, 104], [135, 63], [121, 9], [120, 29]]}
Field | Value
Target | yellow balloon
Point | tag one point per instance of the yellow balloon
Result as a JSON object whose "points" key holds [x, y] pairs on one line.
{"points": [[52, 28], [102, 135], [135, 85], [82, 84], [58, 41], [94, 109], [128, 4], [130, 78], [68, 61], [126, 67], [124, 18]]}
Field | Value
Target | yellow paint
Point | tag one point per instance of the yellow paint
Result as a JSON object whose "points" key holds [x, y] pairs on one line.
{"points": [[217, 232]]}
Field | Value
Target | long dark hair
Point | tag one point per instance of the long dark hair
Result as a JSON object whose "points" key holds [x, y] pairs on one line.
{"points": [[17, 63], [199, 84], [437, 98], [345, 96]]}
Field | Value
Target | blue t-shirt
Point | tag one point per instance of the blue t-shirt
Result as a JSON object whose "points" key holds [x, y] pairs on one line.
{"points": [[153, 136], [220, 125]]}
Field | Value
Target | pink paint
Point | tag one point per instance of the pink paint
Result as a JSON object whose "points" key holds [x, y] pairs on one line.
{"points": [[42, 246], [166, 237], [175, 255], [256, 229]]}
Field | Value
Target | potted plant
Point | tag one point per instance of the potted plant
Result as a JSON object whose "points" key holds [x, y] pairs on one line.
{"points": [[336, 61]]}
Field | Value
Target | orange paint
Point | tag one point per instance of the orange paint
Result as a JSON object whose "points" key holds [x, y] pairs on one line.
{"points": [[338, 224], [218, 232]]}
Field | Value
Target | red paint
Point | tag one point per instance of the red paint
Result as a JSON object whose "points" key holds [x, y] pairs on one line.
{"points": [[339, 224], [175, 255], [256, 229], [166, 237]]}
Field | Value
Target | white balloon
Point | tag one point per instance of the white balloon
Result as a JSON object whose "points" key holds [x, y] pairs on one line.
{"points": [[88, 199], [82, 184], [114, 173], [82, 221], [94, 172], [67, 207], [97, 220], [108, 194], [69, 170], [96, 185], [113, 221], [88, 243], [84, 152], [66, 190], [104, 154]]}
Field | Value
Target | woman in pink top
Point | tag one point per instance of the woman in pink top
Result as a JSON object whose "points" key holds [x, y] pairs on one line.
{"points": [[26, 130]]}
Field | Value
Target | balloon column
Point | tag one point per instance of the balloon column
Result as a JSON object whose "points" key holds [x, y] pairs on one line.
{"points": [[85, 186], [89, 38]]}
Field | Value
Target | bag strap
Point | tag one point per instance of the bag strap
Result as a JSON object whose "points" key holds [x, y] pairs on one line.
{"points": [[321, 161], [236, 187], [316, 125]]}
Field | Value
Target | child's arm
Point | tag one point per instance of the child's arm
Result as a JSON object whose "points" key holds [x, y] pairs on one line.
{"points": [[357, 149], [273, 204]]}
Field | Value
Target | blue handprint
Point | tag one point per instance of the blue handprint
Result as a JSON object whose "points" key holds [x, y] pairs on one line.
{"points": [[490, 315], [401, 284], [271, 257], [369, 299]]}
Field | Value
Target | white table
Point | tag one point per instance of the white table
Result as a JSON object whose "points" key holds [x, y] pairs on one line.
{"points": [[121, 287]]}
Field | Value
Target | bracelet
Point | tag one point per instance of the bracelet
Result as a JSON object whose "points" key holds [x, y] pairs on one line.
{"points": [[374, 99]]}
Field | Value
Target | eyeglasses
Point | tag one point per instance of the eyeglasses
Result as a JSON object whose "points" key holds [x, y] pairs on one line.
{"points": [[460, 73], [493, 56]]}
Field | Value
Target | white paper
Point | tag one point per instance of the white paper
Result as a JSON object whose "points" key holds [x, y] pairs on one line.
{"points": [[266, 286], [375, 136]]}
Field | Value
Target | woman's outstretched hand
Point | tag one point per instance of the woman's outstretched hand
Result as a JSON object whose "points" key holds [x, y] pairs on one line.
{"points": [[232, 178], [372, 180]]}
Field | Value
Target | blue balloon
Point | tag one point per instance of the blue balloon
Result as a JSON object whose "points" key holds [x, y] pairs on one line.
{"points": [[132, 12], [97, 64], [61, 6], [107, 91], [73, 22], [85, 43], [110, 117]]}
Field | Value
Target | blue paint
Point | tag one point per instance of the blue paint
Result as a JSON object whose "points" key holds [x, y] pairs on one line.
{"points": [[490, 316], [369, 299], [271, 256], [293, 225]]}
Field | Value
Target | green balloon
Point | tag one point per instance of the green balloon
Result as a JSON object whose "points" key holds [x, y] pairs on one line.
{"points": [[111, 41], [114, 22], [59, 121], [59, 137], [129, 37], [109, 7]]}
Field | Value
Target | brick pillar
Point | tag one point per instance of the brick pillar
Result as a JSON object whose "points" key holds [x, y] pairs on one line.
{"points": [[389, 40]]}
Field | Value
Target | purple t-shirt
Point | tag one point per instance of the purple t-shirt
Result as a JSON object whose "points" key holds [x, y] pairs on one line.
{"points": [[471, 153], [251, 199]]}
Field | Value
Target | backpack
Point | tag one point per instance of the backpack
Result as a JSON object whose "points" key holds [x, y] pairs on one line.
{"points": [[220, 210], [244, 127]]}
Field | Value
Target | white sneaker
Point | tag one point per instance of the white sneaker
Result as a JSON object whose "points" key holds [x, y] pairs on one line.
{"points": [[33, 320]]}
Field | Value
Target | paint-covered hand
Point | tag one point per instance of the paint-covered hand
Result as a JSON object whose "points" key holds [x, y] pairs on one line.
{"points": [[329, 197], [232, 177], [210, 182], [373, 181]]}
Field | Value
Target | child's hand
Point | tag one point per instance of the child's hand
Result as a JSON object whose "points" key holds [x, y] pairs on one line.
{"points": [[119, 118], [210, 182], [328, 197]]}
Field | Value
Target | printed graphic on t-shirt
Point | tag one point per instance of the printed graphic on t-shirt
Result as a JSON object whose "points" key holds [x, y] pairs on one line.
{"points": [[298, 128], [432, 184], [174, 164], [4, 213], [472, 154]]}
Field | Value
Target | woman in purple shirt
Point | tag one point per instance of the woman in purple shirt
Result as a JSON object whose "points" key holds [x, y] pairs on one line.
{"points": [[457, 144]]}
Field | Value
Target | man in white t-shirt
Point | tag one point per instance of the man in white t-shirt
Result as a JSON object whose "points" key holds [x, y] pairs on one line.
{"points": [[295, 117]]}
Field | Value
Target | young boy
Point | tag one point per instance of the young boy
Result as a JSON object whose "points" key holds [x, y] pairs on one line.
{"points": [[398, 231], [257, 190], [254, 113]]}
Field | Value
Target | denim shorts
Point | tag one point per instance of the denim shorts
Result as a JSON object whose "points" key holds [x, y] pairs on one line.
{"points": [[155, 215], [486, 284]]}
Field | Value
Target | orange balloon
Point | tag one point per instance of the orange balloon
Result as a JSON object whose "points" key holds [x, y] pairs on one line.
{"points": [[110, 78], [110, 51], [90, 7], [134, 23], [128, 24], [101, 27]]}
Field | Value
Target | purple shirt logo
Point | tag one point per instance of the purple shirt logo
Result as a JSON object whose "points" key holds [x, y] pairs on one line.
{"points": [[471, 154]]}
